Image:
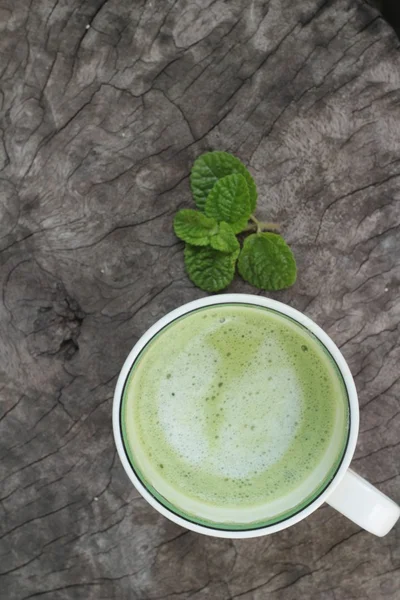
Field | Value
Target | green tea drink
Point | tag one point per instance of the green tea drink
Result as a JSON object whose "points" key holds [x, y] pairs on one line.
{"points": [[235, 416]]}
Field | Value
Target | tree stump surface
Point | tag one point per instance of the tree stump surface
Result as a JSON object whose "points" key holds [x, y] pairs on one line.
{"points": [[104, 106]]}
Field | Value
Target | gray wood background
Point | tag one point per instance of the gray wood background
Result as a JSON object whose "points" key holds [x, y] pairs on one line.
{"points": [[99, 127]]}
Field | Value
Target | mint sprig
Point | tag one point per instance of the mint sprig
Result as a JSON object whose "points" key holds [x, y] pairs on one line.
{"points": [[226, 195], [193, 227], [225, 240], [229, 201], [212, 166], [267, 262], [210, 269]]}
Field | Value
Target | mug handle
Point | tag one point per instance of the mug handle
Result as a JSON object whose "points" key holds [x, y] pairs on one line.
{"points": [[364, 504]]}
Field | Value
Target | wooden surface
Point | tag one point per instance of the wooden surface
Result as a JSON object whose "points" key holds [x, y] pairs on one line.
{"points": [[99, 127]]}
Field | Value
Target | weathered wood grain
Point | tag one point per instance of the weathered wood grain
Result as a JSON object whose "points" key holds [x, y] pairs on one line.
{"points": [[99, 127]]}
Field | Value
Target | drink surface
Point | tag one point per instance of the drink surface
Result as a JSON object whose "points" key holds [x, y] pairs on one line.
{"points": [[235, 416]]}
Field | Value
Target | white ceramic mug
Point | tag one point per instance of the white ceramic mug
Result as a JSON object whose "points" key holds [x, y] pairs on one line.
{"points": [[347, 492]]}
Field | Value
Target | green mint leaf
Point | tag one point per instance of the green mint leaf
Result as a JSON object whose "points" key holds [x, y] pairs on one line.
{"points": [[194, 227], [211, 167], [225, 240], [209, 269], [267, 262], [229, 201]]}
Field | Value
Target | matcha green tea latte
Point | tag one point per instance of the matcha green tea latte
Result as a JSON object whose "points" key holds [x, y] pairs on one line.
{"points": [[235, 416]]}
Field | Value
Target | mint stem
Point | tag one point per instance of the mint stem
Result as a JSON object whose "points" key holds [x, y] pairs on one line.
{"points": [[259, 226]]}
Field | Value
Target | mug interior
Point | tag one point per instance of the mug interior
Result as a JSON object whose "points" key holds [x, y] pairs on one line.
{"points": [[283, 518]]}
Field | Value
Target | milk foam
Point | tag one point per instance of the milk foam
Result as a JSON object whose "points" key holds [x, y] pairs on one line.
{"points": [[236, 429]]}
